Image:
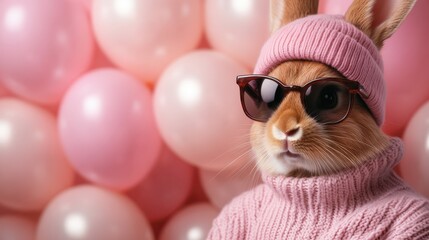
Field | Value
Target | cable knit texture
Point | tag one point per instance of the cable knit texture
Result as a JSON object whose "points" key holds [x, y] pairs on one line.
{"points": [[368, 202], [335, 42]]}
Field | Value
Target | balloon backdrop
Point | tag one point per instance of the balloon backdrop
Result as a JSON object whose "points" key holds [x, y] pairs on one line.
{"points": [[88, 151], [33, 168], [334, 6], [166, 188], [88, 213], [198, 110], [3, 92], [100, 60], [44, 45], [108, 130], [191, 223], [414, 167], [13, 227], [222, 186], [143, 36], [86, 3], [238, 28]]}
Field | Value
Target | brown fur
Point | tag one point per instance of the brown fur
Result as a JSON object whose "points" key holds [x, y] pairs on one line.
{"points": [[324, 149], [283, 12], [376, 24], [360, 15]]}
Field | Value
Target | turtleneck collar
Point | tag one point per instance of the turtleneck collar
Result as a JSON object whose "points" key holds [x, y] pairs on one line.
{"points": [[350, 187]]}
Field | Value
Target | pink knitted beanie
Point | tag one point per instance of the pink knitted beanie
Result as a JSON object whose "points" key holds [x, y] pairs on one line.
{"points": [[333, 41]]}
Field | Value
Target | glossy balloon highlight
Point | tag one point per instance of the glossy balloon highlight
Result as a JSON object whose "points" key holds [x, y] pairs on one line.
{"points": [[108, 129], [238, 28], [88, 212], [144, 36], [415, 164], [45, 45], [191, 223], [198, 111]]}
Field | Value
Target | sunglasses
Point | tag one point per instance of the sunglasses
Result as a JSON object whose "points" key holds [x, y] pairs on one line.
{"points": [[327, 100]]}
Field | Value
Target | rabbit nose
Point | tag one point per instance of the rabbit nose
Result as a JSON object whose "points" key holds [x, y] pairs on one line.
{"points": [[290, 135], [294, 134], [292, 131]]}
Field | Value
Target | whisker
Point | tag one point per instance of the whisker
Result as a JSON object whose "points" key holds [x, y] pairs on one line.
{"points": [[348, 137], [227, 166]]}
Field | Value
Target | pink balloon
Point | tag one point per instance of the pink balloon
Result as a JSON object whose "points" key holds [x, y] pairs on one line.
{"points": [[89, 213], [45, 45], [382, 8], [334, 6], [198, 194], [238, 28], [108, 129], [17, 228], [86, 3], [191, 223], [222, 186], [204, 43], [33, 168], [197, 107], [166, 188], [4, 210], [415, 165], [100, 60], [144, 36], [3, 92]]}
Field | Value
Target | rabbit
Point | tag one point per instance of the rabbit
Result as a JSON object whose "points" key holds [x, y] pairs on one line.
{"points": [[317, 97], [322, 149]]}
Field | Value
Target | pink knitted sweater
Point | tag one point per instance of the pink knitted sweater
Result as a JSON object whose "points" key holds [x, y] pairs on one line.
{"points": [[368, 202]]}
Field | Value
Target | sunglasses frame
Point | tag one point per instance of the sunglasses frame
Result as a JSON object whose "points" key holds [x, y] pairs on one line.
{"points": [[354, 88]]}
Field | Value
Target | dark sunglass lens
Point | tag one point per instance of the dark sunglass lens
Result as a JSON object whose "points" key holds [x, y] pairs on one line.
{"points": [[327, 101], [261, 98], [272, 93], [328, 97]]}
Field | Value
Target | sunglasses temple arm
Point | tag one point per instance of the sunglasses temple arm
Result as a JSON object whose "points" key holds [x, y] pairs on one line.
{"points": [[362, 91]]}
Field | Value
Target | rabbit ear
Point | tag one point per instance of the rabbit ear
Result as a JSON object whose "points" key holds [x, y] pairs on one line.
{"points": [[285, 11], [371, 17], [386, 29]]}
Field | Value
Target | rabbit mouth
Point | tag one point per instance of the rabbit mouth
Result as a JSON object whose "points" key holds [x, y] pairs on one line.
{"points": [[289, 156]]}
